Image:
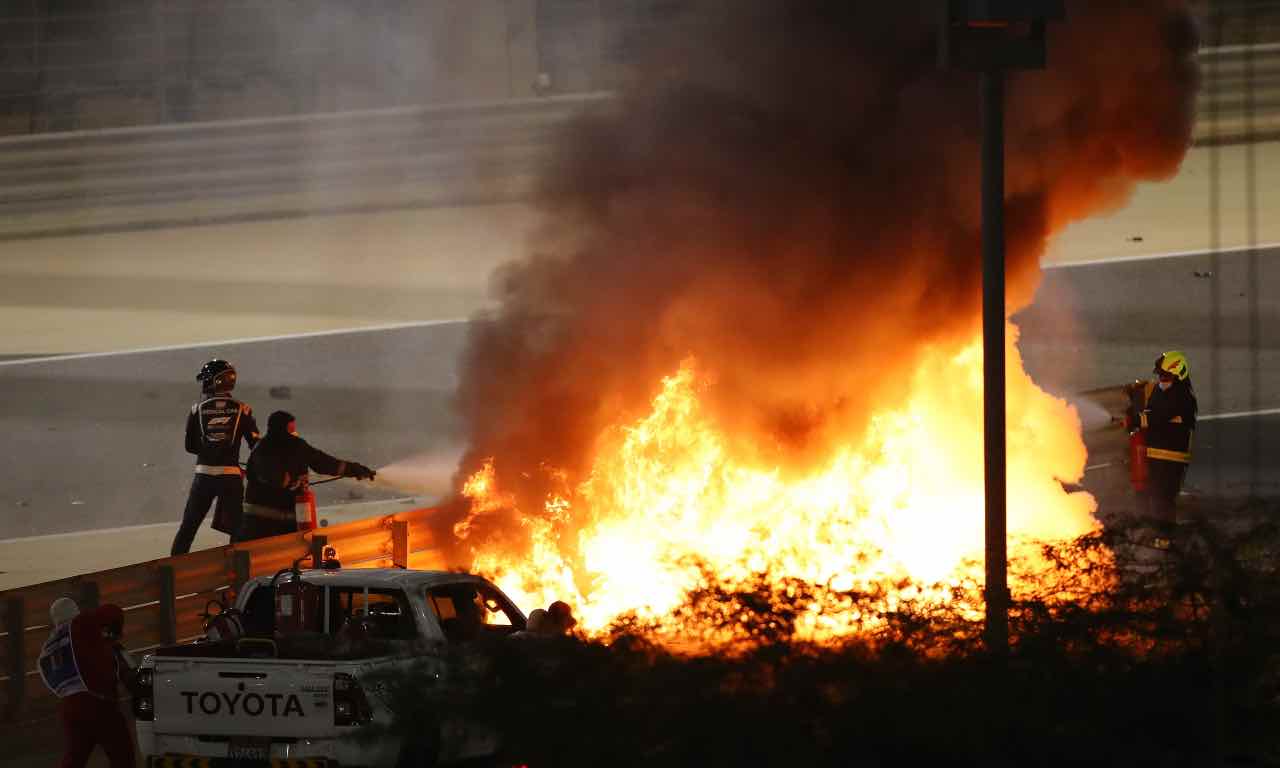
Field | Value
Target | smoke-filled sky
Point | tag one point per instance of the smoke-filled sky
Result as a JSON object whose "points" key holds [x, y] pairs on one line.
{"points": [[789, 193]]}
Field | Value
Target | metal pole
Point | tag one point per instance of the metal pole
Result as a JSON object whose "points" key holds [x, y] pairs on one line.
{"points": [[1251, 225], [993, 397]]}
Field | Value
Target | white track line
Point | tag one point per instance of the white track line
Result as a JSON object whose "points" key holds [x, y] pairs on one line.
{"points": [[1260, 48], [96, 531], [1239, 414], [228, 342], [1153, 256]]}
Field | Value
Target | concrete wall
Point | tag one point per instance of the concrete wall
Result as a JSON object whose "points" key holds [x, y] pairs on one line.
{"points": [[483, 49]]}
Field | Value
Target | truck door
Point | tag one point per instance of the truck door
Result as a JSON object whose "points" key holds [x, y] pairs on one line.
{"points": [[468, 611]]}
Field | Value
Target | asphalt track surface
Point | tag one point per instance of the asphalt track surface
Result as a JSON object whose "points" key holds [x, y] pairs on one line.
{"points": [[96, 441], [1102, 324]]}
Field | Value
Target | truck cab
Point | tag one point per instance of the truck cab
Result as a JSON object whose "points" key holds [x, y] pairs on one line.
{"points": [[308, 676]]}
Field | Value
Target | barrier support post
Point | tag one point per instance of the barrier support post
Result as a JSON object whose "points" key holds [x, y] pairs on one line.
{"points": [[400, 543], [90, 595], [318, 543], [15, 621], [168, 607], [241, 566]]}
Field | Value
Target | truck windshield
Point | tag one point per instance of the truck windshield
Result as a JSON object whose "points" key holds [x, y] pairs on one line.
{"points": [[385, 616], [470, 611], [381, 614]]}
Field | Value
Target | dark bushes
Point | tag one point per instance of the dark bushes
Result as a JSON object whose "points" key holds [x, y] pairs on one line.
{"points": [[1177, 662]]}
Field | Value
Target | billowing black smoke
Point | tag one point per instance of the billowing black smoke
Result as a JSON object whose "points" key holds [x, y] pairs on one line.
{"points": [[788, 192]]}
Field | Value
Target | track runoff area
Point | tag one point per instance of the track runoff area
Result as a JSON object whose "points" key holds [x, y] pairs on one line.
{"points": [[102, 470]]}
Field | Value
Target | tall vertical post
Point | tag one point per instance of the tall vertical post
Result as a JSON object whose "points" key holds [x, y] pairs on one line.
{"points": [[15, 624], [993, 380], [992, 37]]}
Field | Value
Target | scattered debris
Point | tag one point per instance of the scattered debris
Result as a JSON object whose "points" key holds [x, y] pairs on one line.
{"points": [[1205, 273], [1136, 239], [77, 502], [280, 393]]}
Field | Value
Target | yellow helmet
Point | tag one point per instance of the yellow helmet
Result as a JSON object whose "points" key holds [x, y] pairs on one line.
{"points": [[1173, 363]]}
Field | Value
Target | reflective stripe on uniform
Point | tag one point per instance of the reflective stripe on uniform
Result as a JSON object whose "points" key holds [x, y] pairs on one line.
{"points": [[1142, 419], [209, 469], [269, 513], [1176, 420], [1183, 457]]}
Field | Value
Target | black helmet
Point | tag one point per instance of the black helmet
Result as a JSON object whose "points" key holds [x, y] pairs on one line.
{"points": [[217, 376]]}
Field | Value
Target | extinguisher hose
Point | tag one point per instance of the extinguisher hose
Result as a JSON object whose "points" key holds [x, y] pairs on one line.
{"points": [[310, 482]]}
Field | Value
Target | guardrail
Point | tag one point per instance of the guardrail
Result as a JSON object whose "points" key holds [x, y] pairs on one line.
{"points": [[163, 599], [88, 181], [159, 176], [1230, 90]]}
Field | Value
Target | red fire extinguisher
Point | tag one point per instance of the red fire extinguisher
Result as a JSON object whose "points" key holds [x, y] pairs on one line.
{"points": [[304, 510], [1139, 393], [1138, 460]]}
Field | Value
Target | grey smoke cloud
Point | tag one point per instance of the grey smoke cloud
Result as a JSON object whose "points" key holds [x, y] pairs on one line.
{"points": [[789, 193]]}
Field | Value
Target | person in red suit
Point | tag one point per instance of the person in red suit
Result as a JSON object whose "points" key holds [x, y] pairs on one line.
{"points": [[81, 663]]}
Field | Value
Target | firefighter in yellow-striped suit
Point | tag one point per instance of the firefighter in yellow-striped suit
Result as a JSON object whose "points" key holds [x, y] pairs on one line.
{"points": [[1165, 412]]}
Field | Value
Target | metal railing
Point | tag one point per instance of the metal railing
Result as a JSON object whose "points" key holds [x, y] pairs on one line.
{"points": [[81, 182], [1236, 80], [100, 181], [164, 599]]}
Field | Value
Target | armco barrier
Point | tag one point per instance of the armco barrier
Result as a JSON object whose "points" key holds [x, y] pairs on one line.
{"points": [[89, 182], [92, 181], [163, 599], [1235, 80]]}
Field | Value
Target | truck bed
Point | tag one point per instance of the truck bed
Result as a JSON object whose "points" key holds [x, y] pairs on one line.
{"points": [[293, 648]]}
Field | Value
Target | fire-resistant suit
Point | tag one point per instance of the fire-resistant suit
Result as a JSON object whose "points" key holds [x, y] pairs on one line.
{"points": [[278, 471], [1167, 418], [215, 427], [80, 663]]}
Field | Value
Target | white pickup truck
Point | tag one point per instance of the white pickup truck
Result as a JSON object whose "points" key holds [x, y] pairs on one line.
{"points": [[302, 697]]}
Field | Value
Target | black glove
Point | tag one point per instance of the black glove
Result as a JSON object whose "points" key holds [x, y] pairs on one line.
{"points": [[360, 471]]}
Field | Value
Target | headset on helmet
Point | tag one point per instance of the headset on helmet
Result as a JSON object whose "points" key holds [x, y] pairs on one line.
{"points": [[1173, 363], [217, 376]]}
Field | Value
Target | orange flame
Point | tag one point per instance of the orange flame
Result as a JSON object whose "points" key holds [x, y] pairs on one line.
{"points": [[900, 507]]}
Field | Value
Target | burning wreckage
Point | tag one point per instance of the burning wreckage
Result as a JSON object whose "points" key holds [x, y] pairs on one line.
{"points": [[747, 343]]}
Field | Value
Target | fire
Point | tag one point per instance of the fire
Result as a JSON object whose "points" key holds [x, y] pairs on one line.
{"points": [[899, 507]]}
